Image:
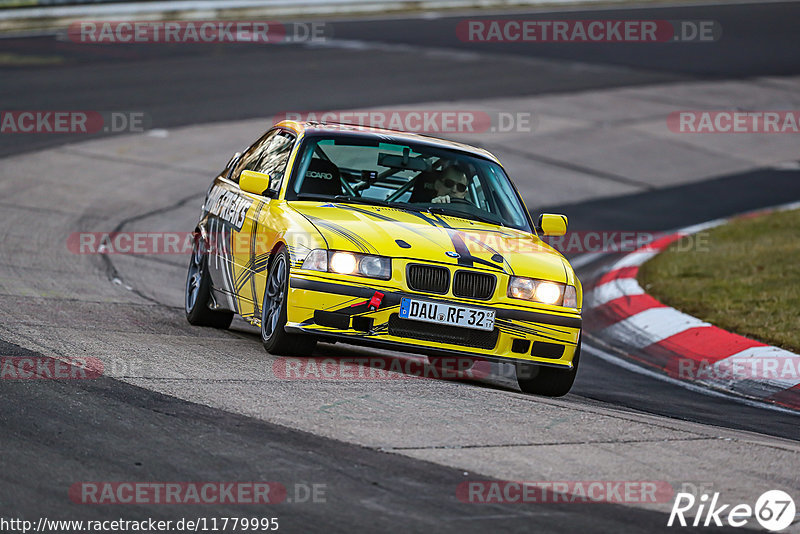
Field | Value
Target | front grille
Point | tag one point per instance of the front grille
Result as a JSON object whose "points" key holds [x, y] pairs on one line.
{"points": [[472, 285], [440, 333], [427, 278]]}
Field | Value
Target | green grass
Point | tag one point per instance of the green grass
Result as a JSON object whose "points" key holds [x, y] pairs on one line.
{"points": [[743, 277]]}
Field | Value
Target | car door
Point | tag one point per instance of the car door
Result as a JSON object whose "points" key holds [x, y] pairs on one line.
{"points": [[225, 207], [258, 234]]}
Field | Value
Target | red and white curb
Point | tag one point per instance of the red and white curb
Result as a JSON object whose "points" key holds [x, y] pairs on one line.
{"points": [[623, 316]]}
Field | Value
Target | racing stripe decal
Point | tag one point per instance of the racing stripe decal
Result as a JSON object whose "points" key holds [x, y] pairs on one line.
{"points": [[465, 258], [386, 218], [250, 267], [223, 260], [361, 244]]}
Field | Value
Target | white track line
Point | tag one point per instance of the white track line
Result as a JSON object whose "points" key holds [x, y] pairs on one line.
{"points": [[627, 365], [621, 287], [651, 326]]}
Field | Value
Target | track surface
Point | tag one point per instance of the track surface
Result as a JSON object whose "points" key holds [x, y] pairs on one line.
{"points": [[63, 432], [200, 83]]}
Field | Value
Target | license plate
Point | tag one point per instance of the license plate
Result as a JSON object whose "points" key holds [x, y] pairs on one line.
{"points": [[441, 313]]}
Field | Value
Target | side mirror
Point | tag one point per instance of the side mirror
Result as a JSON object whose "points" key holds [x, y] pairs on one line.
{"points": [[257, 183], [552, 224]]}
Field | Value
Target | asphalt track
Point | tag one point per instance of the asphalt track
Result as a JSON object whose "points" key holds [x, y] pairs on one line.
{"points": [[208, 83], [59, 432]]}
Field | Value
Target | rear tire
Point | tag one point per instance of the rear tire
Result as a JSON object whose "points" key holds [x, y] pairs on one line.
{"points": [[198, 292], [273, 312], [547, 381]]}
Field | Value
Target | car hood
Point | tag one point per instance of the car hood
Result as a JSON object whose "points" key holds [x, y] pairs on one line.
{"points": [[433, 237]]}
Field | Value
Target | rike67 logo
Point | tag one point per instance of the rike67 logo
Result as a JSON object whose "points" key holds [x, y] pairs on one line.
{"points": [[774, 510]]}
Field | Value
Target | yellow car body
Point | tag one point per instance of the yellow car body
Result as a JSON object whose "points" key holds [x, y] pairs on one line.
{"points": [[241, 232]]}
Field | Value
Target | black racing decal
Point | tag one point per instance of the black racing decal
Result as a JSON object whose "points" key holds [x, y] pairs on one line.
{"points": [[251, 268], [465, 257], [540, 318], [224, 260], [381, 329], [386, 218], [227, 205], [485, 246], [432, 221], [308, 218], [389, 299], [361, 244], [377, 330], [260, 263], [252, 255], [521, 331], [297, 254], [536, 329], [553, 339]]}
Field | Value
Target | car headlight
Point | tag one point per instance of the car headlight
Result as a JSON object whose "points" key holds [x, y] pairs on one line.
{"points": [[317, 260], [375, 267], [548, 292], [542, 291], [351, 263], [343, 263]]}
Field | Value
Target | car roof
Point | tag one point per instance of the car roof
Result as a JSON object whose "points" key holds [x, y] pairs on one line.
{"points": [[333, 128]]}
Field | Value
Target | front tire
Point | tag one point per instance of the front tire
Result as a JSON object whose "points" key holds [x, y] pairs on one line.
{"points": [[198, 292], [273, 312], [547, 381]]}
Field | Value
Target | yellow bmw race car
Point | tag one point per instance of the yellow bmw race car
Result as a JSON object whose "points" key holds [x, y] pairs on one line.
{"points": [[331, 232]]}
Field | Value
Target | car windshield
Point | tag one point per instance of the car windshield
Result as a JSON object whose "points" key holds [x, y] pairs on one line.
{"points": [[409, 176]]}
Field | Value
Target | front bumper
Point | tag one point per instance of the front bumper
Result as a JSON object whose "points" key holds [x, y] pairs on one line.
{"points": [[339, 310]]}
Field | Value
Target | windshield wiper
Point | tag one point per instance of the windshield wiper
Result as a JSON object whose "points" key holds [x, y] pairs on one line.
{"points": [[360, 200], [313, 196], [357, 200], [375, 202], [441, 210]]}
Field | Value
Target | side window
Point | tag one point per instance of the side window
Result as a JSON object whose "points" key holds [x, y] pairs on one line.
{"points": [[271, 157], [276, 157], [252, 154]]}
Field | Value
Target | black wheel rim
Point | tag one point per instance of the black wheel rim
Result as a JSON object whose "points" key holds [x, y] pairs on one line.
{"points": [[273, 298], [195, 276]]}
